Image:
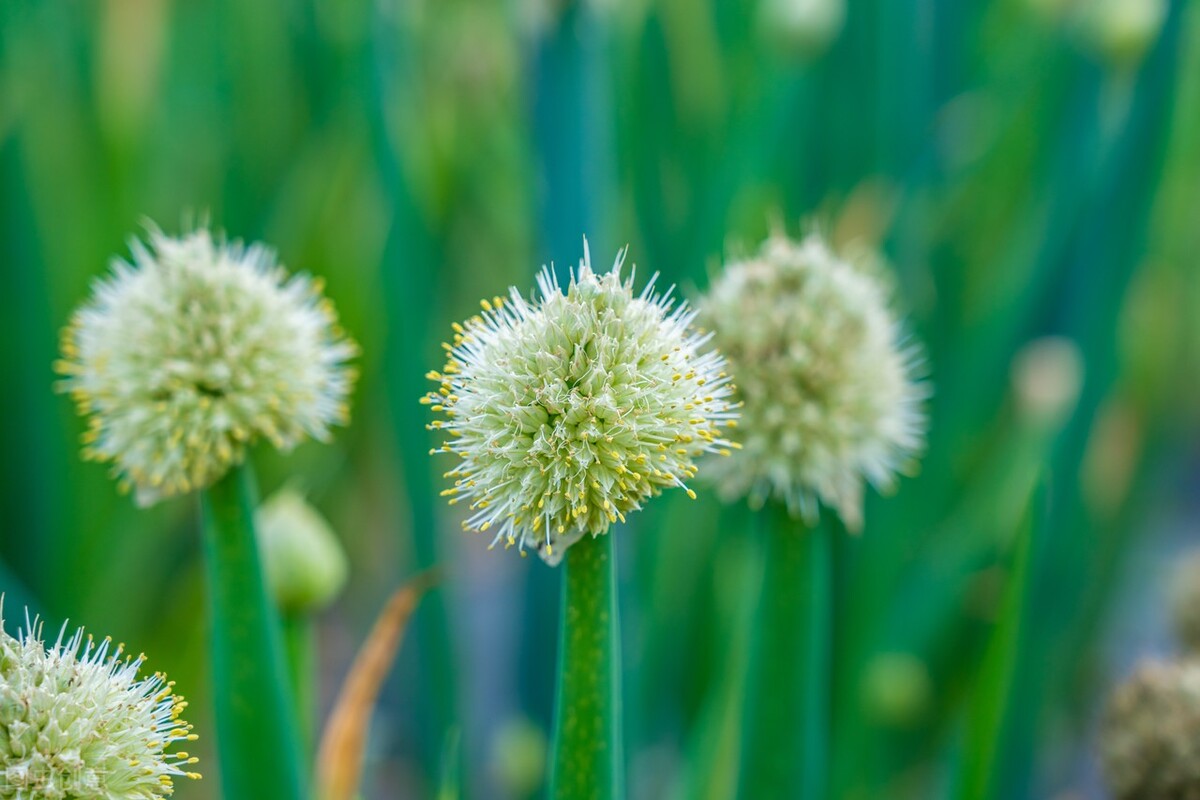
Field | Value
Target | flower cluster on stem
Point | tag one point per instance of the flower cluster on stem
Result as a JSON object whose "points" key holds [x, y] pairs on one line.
{"points": [[194, 349], [569, 410]]}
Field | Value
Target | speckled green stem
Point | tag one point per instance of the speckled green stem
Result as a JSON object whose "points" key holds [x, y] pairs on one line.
{"points": [[256, 727], [786, 727], [587, 723]]}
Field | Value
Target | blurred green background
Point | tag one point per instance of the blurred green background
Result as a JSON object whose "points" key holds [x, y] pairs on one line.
{"points": [[1028, 168]]}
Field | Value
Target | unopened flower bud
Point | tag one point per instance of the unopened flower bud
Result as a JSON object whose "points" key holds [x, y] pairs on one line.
{"points": [[897, 689], [519, 757], [304, 562]]}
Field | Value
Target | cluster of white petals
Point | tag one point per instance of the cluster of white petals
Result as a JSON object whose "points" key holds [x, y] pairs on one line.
{"points": [[567, 411], [195, 349]]}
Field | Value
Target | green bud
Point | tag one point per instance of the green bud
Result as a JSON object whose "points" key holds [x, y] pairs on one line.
{"points": [[897, 689], [304, 562], [519, 757]]}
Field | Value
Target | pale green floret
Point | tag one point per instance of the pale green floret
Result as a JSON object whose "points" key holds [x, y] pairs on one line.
{"points": [[827, 384], [303, 560], [196, 349], [568, 411], [77, 722]]}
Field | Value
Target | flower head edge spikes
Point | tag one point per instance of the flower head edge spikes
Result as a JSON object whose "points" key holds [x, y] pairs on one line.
{"points": [[569, 410], [828, 380], [196, 348], [78, 722]]}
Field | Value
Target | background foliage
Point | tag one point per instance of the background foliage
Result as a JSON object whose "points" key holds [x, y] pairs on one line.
{"points": [[1021, 177]]}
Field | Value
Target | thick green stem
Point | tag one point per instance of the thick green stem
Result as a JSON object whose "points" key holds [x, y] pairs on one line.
{"points": [[587, 725], [298, 645], [786, 728], [256, 727]]}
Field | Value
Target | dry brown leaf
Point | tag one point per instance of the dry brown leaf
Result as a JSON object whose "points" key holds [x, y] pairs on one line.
{"points": [[340, 756]]}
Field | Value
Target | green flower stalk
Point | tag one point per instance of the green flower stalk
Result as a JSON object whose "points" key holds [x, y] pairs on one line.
{"points": [[566, 413], [182, 359], [305, 568], [830, 403], [1150, 735], [76, 721]]}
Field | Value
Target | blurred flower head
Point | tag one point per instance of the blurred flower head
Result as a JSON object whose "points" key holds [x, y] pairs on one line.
{"points": [[303, 560], [1121, 31], [76, 721], [195, 349], [828, 384], [569, 410], [1150, 737], [802, 27]]}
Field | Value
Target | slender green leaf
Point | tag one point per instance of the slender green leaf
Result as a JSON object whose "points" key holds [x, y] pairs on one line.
{"points": [[992, 699]]}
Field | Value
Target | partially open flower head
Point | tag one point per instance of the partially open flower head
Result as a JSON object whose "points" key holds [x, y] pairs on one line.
{"points": [[195, 349], [568, 410], [76, 721], [828, 385], [1150, 736]]}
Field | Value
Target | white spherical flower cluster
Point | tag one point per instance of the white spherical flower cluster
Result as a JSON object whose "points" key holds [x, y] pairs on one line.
{"points": [[569, 410], [829, 390], [194, 350], [77, 722]]}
